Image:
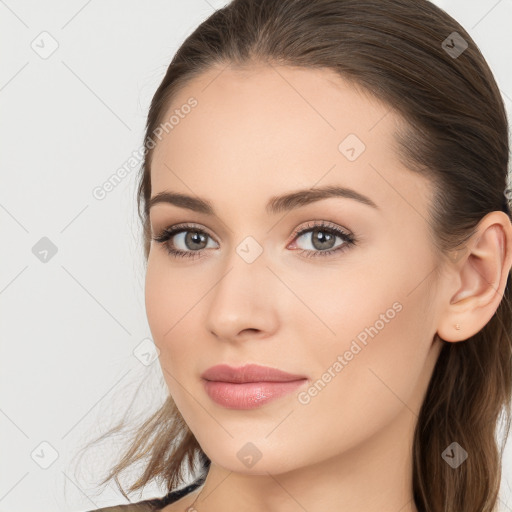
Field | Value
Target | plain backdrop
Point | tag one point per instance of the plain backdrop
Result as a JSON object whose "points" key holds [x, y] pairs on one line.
{"points": [[75, 85]]}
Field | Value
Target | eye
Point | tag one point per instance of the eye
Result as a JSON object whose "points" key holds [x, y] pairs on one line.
{"points": [[187, 235], [193, 239], [322, 239]]}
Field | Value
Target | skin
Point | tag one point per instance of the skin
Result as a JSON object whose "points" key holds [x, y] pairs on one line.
{"points": [[265, 131]]}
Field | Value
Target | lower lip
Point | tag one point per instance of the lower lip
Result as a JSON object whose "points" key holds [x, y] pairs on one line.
{"points": [[250, 394]]}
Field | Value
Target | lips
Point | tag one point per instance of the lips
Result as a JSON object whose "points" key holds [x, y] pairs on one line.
{"points": [[248, 373], [249, 395]]}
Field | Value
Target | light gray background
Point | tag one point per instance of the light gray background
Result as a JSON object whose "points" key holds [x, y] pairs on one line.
{"points": [[72, 327]]}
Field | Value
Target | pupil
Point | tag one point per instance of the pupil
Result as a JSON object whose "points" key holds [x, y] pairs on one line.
{"points": [[195, 237], [323, 238]]}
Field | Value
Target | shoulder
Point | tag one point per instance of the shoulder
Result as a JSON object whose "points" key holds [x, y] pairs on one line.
{"points": [[154, 504], [141, 506]]}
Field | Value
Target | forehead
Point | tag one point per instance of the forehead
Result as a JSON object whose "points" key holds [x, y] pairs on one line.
{"points": [[278, 128]]}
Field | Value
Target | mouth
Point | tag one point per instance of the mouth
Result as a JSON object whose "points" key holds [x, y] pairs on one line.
{"points": [[249, 395], [249, 386], [250, 373]]}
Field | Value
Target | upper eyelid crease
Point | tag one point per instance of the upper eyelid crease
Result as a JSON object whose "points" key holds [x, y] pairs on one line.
{"points": [[275, 205], [348, 238], [184, 226]]}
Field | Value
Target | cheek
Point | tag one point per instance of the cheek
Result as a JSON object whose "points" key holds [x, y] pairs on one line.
{"points": [[160, 301], [169, 303], [379, 298], [170, 309], [173, 302], [373, 364]]}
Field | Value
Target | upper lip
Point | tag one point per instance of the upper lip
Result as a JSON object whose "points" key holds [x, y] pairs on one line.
{"points": [[248, 373]]}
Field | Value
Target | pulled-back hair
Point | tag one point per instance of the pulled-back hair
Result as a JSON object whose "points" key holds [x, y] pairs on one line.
{"points": [[401, 52]]}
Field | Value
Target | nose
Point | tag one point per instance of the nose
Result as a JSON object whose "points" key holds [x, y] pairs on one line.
{"points": [[244, 302]]}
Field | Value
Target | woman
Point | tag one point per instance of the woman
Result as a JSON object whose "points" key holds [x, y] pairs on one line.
{"points": [[324, 196]]}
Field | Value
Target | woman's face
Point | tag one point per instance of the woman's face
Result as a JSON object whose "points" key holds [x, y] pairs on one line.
{"points": [[356, 318]]}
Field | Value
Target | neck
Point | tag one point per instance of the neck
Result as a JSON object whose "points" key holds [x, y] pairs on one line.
{"points": [[374, 476]]}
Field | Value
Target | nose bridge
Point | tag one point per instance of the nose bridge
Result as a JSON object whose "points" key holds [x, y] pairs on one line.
{"points": [[242, 297]]}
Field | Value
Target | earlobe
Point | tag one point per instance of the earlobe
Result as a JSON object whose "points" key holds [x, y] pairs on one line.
{"points": [[481, 276]]}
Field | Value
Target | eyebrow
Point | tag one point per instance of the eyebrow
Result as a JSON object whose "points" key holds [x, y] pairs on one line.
{"points": [[275, 205]]}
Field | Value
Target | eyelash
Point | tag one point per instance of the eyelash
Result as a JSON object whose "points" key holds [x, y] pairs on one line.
{"points": [[168, 233]]}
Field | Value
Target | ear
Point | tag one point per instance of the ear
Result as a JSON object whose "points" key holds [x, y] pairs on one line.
{"points": [[479, 274]]}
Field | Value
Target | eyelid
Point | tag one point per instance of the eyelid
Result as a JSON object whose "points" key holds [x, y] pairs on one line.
{"points": [[296, 232], [349, 239], [185, 226], [318, 224]]}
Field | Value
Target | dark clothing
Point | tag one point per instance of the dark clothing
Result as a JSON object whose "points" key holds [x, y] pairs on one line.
{"points": [[154, 504]]}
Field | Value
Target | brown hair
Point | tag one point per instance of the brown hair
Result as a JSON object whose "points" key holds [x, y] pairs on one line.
{"points": [[455, 132]]}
